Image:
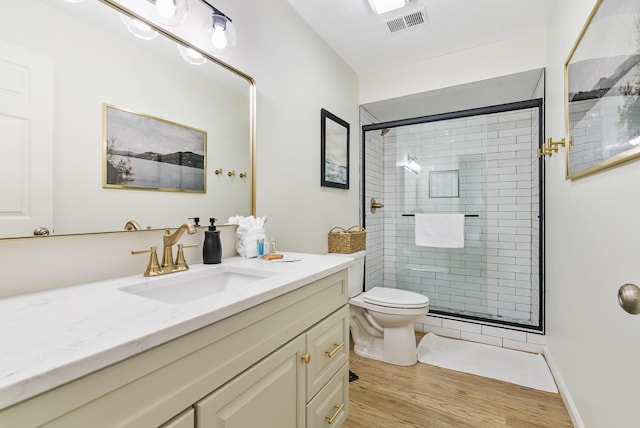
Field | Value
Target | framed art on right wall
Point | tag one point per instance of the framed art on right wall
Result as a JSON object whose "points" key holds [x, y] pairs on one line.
{"points": [[602, 88]]}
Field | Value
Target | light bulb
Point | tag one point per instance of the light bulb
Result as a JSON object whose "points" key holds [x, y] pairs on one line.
{"points": [[138, 28], [218, 38], [191, 55], [166, 8], [221, 32]]}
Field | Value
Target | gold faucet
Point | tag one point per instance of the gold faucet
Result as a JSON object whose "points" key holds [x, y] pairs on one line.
{"points": [[168, 241], [134, 225]]}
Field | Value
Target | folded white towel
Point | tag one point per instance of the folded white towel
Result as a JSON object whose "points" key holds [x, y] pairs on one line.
{"points": [[440, 230], [250, 229]]}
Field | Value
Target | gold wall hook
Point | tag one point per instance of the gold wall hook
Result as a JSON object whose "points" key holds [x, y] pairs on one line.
{"points": [[231, 173], [553, 145], [243, 174], [544, 151], [218, 171]]}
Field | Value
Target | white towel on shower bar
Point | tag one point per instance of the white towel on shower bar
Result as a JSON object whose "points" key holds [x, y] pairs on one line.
{"points": [[440, 230]]}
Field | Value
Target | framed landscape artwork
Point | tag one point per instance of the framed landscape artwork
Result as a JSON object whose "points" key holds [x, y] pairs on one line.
{"points": [[602, 90], [150, 153], [334, 163]]}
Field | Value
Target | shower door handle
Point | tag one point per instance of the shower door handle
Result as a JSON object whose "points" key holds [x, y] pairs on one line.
{"points": [[375, 205]]}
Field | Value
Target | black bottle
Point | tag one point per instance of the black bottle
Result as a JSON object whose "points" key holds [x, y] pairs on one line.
{"points": [[212, 247]]}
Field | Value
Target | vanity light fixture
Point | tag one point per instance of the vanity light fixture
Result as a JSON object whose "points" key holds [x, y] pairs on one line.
{"points": [[138, 28], [169, 12], [221, 30], [384, 6], [218, 26], [190, 55], [166, 12]]}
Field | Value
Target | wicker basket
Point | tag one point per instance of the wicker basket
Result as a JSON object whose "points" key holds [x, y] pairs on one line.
{"points": [[347, 241]]}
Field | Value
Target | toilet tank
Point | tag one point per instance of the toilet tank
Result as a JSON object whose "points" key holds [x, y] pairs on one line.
{"points": [[356, 271]]}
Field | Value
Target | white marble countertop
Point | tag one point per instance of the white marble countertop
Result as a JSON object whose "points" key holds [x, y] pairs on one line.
{"points": [[52, 337]]}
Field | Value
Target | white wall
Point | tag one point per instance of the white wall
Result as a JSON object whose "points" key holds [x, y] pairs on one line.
{"points": [[297, 74], [591, 227], [592, 249], [485, 62]]}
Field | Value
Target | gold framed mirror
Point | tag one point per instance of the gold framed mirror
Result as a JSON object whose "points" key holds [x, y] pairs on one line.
{"points": [[85, 57], [602, 84]]}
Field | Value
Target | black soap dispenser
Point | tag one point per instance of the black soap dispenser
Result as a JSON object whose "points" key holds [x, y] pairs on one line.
{"points": [[212, 248]]}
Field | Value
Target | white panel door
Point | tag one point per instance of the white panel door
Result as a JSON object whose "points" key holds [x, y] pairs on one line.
{"points": [[26, 141]]}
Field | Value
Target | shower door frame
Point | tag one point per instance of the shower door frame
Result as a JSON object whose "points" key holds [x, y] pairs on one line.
{"points": [[500, 108]]}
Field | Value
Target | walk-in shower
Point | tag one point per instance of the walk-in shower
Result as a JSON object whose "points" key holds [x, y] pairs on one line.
{"points": [[480, 162]]}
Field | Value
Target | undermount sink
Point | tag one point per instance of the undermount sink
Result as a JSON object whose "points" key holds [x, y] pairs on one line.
{"points": [[187, 286]]}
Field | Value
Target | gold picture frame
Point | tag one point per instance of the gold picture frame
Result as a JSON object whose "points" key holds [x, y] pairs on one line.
{"points": [[602, 88], [145, 152]]}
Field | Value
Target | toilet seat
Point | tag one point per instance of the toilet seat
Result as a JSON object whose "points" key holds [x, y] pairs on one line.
{"points": [[394, 298]]}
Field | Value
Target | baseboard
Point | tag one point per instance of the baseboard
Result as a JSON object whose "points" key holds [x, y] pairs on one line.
{"points": [[564, 391]]}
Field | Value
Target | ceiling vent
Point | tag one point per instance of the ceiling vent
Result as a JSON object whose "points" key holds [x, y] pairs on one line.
{"points": [[408, 20]]}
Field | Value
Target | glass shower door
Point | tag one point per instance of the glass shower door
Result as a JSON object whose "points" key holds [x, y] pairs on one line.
{"points": [[484, 166]]}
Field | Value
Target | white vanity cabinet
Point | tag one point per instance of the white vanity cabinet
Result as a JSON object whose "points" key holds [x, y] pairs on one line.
{"points": [[282, 363], [266, 395], [186, 419], [275, 391]]}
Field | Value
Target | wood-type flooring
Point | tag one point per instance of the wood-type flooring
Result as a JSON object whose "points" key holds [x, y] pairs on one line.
{"points": [[425, 396]]}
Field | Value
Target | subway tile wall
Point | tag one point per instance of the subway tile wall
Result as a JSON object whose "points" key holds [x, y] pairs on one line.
{"points": [[374, 223], [493, 159], [488, 334]]}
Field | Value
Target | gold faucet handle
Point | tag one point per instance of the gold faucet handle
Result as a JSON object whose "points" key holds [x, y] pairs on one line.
{"points": [[153, 268], [181, 263]]}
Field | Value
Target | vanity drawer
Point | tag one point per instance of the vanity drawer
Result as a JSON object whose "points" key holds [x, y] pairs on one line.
{"points": [[330, 407], [186, 419], [328, 347]]}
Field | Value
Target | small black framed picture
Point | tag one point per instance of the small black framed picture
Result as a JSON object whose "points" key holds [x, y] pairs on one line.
{"points": [[334, 162]]}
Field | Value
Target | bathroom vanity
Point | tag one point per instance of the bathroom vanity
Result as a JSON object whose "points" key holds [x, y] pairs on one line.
{"points": [[271, 351]]}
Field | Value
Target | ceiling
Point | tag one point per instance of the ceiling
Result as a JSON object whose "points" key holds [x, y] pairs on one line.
{"points": [[364, 42]]}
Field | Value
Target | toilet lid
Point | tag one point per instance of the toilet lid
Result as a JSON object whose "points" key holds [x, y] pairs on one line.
{"points": [[394, 298]]}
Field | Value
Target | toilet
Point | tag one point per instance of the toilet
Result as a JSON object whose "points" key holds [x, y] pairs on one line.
{"points": [[381, 320]]}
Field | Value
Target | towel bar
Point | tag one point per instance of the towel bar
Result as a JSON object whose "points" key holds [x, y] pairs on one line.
{"points": [[466, 215]]}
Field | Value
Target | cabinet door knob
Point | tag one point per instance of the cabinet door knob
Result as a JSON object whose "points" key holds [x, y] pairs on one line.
{"points": [[331, 418], [306, 358], [338, 346]]}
